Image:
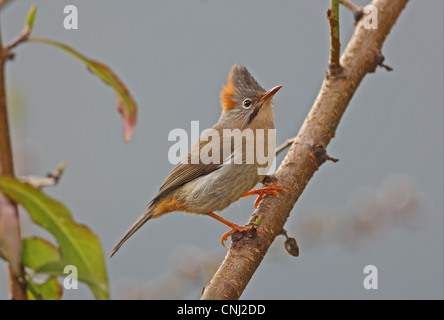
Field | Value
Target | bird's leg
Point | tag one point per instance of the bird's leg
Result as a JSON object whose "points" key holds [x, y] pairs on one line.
{"points": [[234, 227], [274, 189]]}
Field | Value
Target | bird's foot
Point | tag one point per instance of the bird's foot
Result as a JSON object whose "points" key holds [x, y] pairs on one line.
{"points": [[274, 189], [236, 228]]}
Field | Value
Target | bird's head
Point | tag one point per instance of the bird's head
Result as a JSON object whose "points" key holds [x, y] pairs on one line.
{"points": [[243, 100]]}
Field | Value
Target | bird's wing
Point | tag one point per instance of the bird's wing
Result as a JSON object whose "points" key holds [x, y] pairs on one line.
{"points": [[185, 171]]}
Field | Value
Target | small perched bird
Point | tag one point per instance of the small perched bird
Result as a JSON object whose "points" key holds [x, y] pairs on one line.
{"points": [[201, 187]]}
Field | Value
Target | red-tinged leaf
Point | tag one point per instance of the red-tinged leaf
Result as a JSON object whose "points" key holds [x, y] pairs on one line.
{"points": [[125, 102]]}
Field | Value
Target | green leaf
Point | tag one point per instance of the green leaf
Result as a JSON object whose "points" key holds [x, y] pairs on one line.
{"points": [[37, 251], [125, 102], [48, 290], [29, 23], [57, 268], [78, 245]]}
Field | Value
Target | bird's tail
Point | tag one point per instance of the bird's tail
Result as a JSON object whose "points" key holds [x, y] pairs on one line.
{"points": [[148, 214]]}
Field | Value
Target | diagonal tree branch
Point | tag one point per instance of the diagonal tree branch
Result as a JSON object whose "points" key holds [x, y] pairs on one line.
{"points": [[307, 153]]}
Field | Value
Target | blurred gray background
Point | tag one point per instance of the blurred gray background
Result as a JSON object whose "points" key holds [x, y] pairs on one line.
{"points": [[381, 204]]}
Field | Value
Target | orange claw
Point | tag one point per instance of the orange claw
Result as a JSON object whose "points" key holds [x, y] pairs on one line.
{"points": [[234, 227], [274, 189], [233, 230]]}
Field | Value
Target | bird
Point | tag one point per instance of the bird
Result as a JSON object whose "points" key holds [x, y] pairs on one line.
{"points": [[203, 187]]}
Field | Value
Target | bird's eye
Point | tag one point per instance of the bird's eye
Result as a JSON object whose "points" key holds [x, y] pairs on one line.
{"points": [[247, 103]]}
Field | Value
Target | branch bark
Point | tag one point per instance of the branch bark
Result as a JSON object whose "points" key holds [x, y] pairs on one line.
{"points": [[360, 57], [9, 219]]}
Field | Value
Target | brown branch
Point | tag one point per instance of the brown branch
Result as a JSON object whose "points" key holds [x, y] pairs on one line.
{"points": [[301, 162], [9, 219]]}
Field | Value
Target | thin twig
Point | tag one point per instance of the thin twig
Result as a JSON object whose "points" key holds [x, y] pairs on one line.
{"points": [[24, 36], [297, 168], [50, 180], [353, 8], [357, 11], [334, 65], [21, 38], [285, 145]]}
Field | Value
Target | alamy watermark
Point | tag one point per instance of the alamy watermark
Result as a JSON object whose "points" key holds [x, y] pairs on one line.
{"points": [[225, 146], [71, 280], [70, 21], [371, 17], [71, 18], [371, 280]]}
